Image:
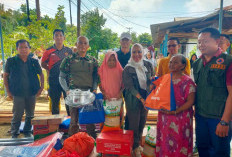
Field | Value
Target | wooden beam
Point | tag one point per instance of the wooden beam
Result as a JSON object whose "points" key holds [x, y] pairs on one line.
{"points": [[184, 35]]}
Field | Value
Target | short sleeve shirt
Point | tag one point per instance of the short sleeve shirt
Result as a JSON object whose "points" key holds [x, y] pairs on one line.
{"points": [[54, 57]]}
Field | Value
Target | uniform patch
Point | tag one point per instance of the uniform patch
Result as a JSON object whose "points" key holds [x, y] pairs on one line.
{"points": [[218, 66], [220, 61]]}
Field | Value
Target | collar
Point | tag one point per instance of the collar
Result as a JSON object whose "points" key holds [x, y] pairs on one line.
{"points": [[54, 46], [129, 52], [18, 58], [76, 55], [218, 53]]}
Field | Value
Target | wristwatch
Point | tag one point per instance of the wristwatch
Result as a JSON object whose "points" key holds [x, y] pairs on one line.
{"points": [[223, 123]]}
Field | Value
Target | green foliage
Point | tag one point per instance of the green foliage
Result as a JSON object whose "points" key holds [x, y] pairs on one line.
{"points": [[101, 58], [91, 27], [1, 88], [60, 20], [92, 24], [15, 26], [193, 51], [145, 39], [134, 37]]}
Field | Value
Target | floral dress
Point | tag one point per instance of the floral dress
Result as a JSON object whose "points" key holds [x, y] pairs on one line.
{"points": [[175, 132]]}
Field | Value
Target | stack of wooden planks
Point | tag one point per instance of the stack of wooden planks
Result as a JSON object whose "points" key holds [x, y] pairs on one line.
{"points": [[6, 116]]}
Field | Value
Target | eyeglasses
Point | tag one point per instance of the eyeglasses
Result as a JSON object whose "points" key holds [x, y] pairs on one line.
{"points": [[174, 45], [136, 52]]}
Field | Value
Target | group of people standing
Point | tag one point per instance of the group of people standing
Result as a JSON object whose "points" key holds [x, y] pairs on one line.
{"points": [[127, 73]]}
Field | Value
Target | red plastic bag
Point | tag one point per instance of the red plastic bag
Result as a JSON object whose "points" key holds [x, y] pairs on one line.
{"points": [[65, 153], [81, 143]]}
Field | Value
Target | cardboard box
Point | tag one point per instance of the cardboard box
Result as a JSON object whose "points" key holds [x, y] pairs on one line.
{"points": [[40, 129], [46, 120], [148, 151], [45, 129], [55, 119], [39, 121], [115, 142]]}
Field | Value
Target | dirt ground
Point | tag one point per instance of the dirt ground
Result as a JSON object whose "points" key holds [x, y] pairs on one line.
{"points": [[42, 104]]}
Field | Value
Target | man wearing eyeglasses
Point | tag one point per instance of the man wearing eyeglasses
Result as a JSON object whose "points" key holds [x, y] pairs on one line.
{"points": [[173, 47]]}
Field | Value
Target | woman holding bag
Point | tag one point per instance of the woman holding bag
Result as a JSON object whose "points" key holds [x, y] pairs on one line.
{"points": [[136, 79], [110, 73], [175, 128]]}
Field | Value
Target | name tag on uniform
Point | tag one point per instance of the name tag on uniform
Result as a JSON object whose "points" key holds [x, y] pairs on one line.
{"points": [[218, 66]]}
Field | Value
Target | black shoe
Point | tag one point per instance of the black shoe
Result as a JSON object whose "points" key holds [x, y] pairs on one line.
{"points": [[14, 136], [28, 135]]}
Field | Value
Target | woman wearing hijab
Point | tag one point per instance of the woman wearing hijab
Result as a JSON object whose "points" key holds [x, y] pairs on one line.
{"points": [[110, 73], [136, 79]]}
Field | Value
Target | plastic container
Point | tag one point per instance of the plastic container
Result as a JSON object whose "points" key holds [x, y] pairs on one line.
{"points": [[78, 98]]}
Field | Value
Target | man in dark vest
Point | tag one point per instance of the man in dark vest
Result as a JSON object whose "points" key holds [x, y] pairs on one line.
{"points": [[213, 76], [22, 84]]}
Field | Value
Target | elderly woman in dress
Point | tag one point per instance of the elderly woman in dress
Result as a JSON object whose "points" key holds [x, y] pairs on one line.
{"points": [[136, 79], [175, 128]]}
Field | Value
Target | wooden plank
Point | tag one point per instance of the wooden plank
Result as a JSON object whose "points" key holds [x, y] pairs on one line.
{"points": [[39, 111]]}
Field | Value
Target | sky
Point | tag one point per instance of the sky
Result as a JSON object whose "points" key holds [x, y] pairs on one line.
{"points": [[128, 15]]}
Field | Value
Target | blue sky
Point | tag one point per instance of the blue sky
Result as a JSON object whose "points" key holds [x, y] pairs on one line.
{"points": [[123, 14]]}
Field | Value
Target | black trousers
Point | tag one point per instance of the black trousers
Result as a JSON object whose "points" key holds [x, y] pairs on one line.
{"points": [[55, 91]]}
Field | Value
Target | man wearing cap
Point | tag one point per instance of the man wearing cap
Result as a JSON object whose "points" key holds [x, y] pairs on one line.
{"points": [[81, 71], [224, 43], [124, 55], [124, 52]]}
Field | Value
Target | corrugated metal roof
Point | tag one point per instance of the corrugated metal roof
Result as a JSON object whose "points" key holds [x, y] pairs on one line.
{"points": [[189, 28]]}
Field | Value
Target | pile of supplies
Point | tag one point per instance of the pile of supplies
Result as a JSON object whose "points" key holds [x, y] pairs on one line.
{"points": [[46, 125]]}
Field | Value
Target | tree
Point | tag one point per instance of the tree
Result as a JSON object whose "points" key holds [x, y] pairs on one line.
{"points": [[60, 20], [145, 39], [100, 38], [109, 39], [134, 37], [70, 35], [91, 26]]}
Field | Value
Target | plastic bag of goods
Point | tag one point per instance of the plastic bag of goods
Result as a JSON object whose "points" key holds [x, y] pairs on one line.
{"points": [[112, 110], [92, 114], [78, 98], [65, 153], [81, 143], [150, 143]]}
